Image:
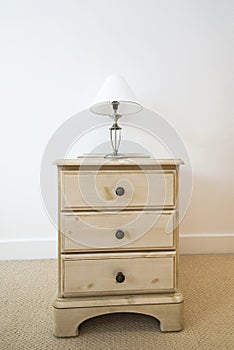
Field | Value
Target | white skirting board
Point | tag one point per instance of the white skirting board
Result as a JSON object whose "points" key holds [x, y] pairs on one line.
{"points": [[47, 248], [211, 243], [28, 249]]}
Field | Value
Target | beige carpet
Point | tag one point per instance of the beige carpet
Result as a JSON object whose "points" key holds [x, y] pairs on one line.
{"points": [[27, 289]]}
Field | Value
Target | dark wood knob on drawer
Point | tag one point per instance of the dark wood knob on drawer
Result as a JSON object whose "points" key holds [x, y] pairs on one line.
{"points": [[120, 277], [120, 191], [119, 234]]}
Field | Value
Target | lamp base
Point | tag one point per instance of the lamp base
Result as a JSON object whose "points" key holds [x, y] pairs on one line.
{"points": [[116, 156], [111, 155]]}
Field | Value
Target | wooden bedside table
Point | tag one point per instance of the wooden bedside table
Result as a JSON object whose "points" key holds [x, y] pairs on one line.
{"points": [[118, 241]]}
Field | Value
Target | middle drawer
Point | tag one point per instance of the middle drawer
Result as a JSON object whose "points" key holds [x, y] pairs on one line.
{"points": [[134, 230]]}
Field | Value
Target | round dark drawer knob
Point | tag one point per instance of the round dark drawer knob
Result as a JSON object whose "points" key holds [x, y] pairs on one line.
{"points": [[120, 191], [120, 277], [119, 234]]}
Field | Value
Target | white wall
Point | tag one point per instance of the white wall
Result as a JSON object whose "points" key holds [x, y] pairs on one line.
{"points": [[175, 54]]}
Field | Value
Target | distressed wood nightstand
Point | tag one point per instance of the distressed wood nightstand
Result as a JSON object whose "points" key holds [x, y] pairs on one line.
{"points": [[118, 241]]}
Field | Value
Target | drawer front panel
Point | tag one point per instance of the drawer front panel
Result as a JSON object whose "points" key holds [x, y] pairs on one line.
{"points": [[123, 189], [117, 273], [117, 230]]}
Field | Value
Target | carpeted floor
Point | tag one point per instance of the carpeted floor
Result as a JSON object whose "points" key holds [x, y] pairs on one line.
{"points": [[27, 290]]}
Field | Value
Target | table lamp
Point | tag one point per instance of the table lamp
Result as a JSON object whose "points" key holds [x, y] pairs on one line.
{"points": [[115, 99]]}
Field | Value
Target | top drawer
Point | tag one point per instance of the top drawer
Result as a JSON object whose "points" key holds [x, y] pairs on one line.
{"points": [[123, 189]]}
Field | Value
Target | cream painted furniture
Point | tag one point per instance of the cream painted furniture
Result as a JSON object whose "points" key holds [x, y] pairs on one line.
{"points": [[118, 241]]}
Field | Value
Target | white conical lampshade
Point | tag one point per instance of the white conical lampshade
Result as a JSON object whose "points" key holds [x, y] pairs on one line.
{"points": [[115, 88]]}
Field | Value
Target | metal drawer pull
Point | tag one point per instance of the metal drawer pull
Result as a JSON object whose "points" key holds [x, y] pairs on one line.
{"points": [[119, 234], [120, 277], [120, 191]]}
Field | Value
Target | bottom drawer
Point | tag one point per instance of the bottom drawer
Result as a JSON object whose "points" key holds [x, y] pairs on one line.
{"points": [[113, 273]]}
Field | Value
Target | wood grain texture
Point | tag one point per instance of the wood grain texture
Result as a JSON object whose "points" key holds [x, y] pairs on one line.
{"points": [[92, 190], [170, 315], [89, 274], [92, 258], [85, 231]]}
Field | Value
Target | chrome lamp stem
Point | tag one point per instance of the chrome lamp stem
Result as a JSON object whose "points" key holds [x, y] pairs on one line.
{"points": [[115, 136], [115, 133]]}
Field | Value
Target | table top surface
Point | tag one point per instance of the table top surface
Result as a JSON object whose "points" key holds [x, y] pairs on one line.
{"points": [[101, 161]]}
